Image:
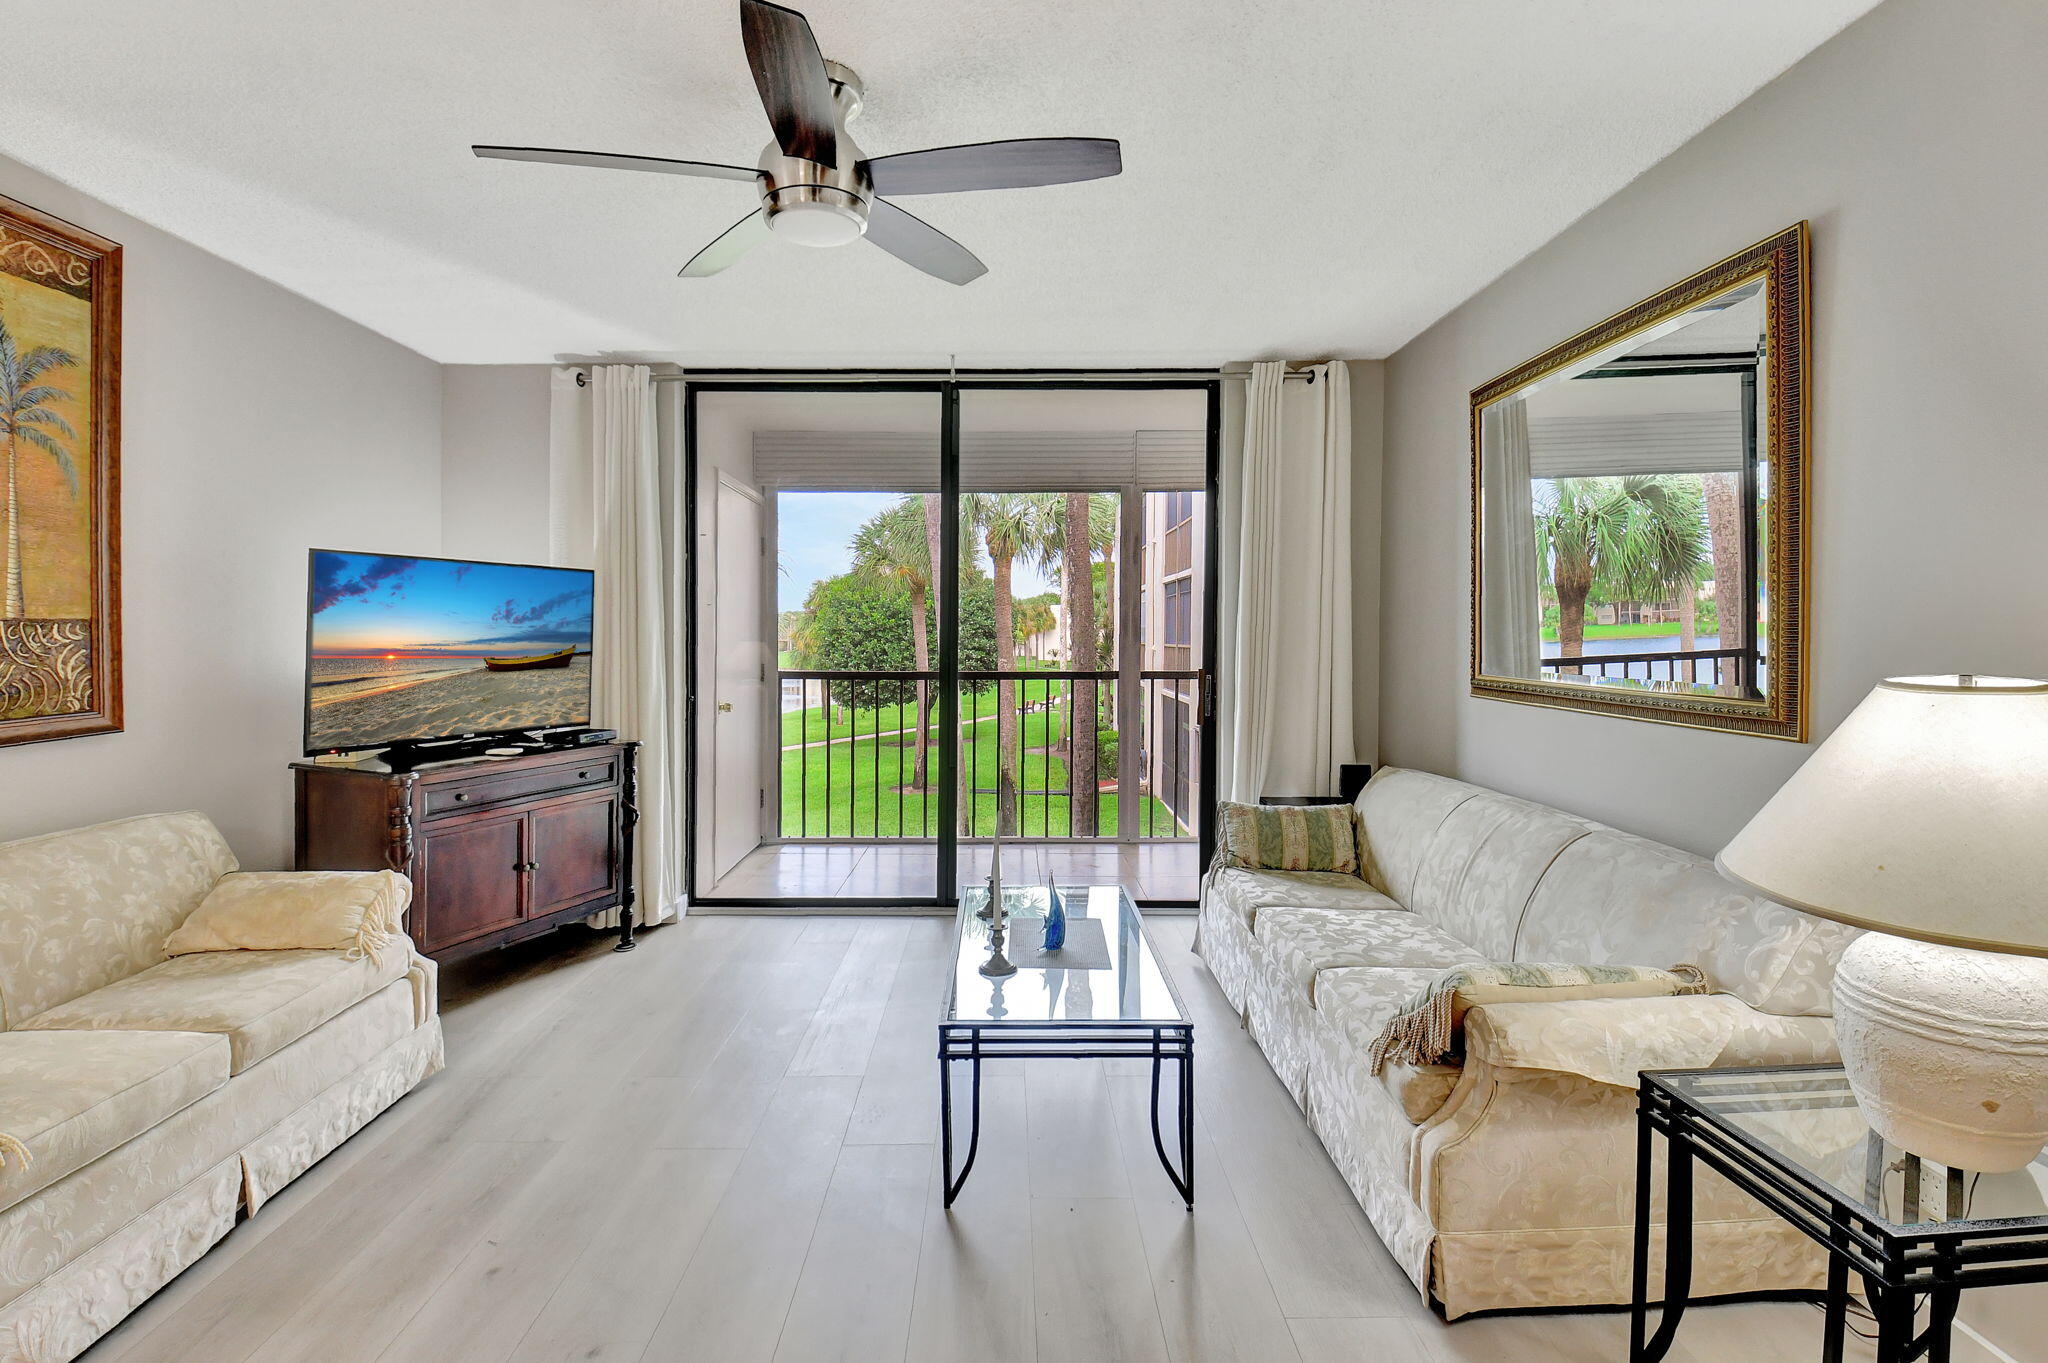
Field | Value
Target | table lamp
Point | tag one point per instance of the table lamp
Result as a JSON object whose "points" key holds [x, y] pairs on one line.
{"points": [[1924, 818]]}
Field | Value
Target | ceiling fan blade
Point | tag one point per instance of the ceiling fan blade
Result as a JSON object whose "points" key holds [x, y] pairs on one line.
{"points": [[738, 239], [789, 71], [605, 160], [1016, 164], [916, 242]]}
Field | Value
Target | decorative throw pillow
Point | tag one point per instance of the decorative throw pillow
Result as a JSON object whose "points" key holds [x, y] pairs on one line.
{"points": [[1426, 1031], [353, 911], [1289, 837]]}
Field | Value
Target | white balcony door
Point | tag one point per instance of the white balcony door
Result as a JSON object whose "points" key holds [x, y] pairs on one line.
{"points": [[739, 691]]}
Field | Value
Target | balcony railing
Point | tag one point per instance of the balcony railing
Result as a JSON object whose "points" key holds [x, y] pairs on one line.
{"points": [[849, 768], [1731, 669]]}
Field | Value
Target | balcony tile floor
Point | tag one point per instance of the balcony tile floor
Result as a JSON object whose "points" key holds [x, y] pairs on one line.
{"points": [[1150, 871]]}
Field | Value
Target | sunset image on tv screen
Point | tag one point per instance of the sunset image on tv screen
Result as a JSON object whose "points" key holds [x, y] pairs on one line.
{"points": [[419, 648]]}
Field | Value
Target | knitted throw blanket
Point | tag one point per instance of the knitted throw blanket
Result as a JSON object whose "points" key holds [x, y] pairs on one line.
{"points": [[1426, 1031]]}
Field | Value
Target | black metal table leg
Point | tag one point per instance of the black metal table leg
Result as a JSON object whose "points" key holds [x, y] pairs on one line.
{"points": [[1639, 1293], [1893, 1307], [1677, 1243], [953, 1184], [1183, 1179], [1834, 1332], [1941, 1319], [1187, 1122]]}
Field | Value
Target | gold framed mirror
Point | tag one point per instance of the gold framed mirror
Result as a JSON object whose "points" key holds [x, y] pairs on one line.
{"points": [[1639, 508]]}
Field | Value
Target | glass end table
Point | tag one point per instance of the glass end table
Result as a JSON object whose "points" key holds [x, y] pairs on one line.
{"points": [[1113, 1003], [1792, 1137]]}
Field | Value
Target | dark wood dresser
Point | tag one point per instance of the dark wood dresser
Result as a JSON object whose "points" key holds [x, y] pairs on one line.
{"points": [[498, 849]]}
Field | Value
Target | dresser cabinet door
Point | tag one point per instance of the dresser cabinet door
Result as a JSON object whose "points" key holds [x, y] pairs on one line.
{"points": [[574, 852], [472, 878]]}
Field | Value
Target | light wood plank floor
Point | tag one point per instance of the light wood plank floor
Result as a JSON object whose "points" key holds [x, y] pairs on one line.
{"points": [[722, 1148]]}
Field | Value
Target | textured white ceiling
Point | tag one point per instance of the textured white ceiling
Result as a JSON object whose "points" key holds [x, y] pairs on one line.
{"points": [[1301, 179]]}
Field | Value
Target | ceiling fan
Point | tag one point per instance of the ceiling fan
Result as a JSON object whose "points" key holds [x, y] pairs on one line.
{"points": [[817, 189]]}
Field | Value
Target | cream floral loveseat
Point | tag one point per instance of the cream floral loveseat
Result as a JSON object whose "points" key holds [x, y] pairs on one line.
{"points": [[1507, 1182], [151, 1102]]}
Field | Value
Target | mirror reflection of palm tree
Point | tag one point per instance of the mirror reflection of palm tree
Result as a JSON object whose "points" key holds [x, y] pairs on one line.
{"points": [[1633, 537], [27, 418]]}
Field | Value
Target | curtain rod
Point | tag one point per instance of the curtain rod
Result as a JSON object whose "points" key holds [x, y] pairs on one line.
{"points": [[1108, 379]]}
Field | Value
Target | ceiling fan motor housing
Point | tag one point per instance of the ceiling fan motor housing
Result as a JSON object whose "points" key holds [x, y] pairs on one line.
{"points": [[809, 202]]}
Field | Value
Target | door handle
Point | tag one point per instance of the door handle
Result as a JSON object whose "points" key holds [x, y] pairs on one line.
{"points": [[725, 707]]}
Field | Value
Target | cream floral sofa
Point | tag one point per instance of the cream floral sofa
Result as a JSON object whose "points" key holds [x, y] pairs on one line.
{"points": [[1506, 1182], [156, 1100]]}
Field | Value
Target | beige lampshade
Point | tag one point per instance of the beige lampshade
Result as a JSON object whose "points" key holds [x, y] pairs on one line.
{"points": [[1924, 815]]}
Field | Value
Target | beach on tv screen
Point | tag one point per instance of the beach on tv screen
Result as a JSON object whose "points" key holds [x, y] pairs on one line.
{"points": [[417, 648]]}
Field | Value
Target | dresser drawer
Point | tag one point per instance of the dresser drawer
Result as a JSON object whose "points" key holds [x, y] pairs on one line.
{"points": [[483, 791]]}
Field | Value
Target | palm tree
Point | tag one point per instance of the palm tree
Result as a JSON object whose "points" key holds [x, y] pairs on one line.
{"points": [[1634, 537], [1724, 526], [26, 415], [894, 545], [1012, 526], [1087, 526], [1034, 617]]}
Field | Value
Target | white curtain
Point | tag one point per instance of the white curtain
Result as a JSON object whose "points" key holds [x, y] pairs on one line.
{"points": [[631, 643], [1291, 713], [1510, 643]]}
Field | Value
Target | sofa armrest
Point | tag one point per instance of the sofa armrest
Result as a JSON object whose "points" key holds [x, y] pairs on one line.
{"points": [[1612, 1040], [425, 974]]}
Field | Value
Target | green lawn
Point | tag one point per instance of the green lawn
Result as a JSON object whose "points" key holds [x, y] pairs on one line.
{"points": [[811, 723], [858, 788]]}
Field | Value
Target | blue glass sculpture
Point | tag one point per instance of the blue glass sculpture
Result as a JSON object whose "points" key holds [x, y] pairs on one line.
{"points": [[1055, 919]]}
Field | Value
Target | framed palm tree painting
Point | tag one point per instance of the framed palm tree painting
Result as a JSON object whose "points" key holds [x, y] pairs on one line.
{"points": [[60, 364]]}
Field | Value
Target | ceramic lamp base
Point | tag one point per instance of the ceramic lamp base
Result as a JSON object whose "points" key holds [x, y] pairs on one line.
{"points": [[1947, 1049]]}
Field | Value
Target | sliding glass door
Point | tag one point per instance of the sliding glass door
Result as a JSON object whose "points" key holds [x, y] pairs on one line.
{"points": [[930, 613]]}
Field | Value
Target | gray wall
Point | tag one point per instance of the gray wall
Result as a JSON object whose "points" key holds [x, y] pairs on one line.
{"points": [[494, 462], [254, 425], [1911, 142]]}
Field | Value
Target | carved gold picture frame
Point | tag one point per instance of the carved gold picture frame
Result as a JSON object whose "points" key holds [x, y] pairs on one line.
{"points": [[60, 492], [1782, 263]]}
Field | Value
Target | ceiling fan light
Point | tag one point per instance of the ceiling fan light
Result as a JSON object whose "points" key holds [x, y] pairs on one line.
{"points": [[817, 224]]}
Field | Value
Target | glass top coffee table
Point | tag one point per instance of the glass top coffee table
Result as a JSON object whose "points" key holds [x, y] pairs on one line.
{"points": [[1105, 995], [1793, 1137]]}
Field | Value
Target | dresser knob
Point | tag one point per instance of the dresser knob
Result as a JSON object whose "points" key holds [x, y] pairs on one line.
{"points": [[583, 776], [460, 796]]}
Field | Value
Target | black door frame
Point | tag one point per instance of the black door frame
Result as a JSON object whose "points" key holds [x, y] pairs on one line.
{"points": [[945, 893]]}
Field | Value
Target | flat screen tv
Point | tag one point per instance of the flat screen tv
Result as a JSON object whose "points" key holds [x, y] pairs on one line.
{"points": [[413, 650]]}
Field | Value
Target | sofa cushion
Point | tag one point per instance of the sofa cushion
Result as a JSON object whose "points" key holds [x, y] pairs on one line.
{"points": [[87, 907], [1288, 837], [1247, 893], [1485, 862], [1399, 813], [1302, 943], [70, 1097], [1614, 897], [356, 911], [261, 1000], [1354, 1004]]}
